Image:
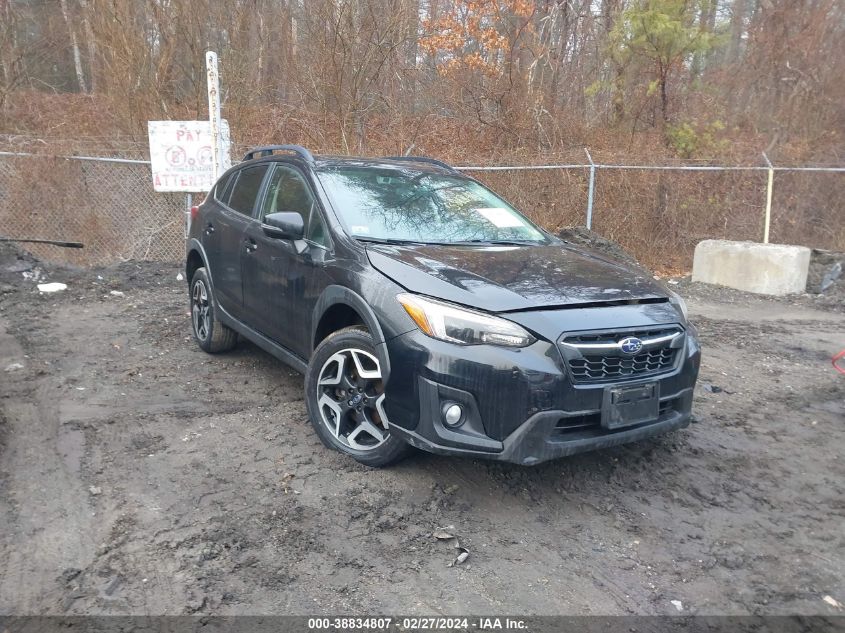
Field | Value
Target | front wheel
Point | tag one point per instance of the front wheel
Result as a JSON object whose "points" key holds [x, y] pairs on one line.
{"points": [[345, 397]]}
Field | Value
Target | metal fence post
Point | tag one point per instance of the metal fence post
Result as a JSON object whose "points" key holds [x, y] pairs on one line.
{"points": [[591, 190], [769, 187], [214, 112], [189, 202]]}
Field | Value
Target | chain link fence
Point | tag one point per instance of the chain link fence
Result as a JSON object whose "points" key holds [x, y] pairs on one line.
{"points": [[658, 213], [107, 204]]}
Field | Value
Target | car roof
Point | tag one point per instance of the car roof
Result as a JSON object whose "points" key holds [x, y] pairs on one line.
{"points": [[419, 165], [409, 163]]}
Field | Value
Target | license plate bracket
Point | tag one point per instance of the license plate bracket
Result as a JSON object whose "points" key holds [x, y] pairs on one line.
{"points": [[627, 406]]}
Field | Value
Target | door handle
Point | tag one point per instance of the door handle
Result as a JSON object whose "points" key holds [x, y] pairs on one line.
{"points": [[209, 228], [250, 245]]}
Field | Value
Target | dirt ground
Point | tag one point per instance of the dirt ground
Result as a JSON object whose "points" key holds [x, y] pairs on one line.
{"points": [[139, 475]]}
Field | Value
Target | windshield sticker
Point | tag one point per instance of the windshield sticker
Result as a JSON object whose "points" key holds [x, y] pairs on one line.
{"points": [[499, 217], [360, 229]]}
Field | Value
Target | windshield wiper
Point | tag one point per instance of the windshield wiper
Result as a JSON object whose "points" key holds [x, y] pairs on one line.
{"points": [[475, 242], [386, 240], [500, 242]]}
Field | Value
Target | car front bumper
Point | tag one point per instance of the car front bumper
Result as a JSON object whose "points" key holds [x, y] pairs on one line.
{"points": [[520, 405]]}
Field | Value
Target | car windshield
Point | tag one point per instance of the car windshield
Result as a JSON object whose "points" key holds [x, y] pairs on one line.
{"points": [[398, 205]]}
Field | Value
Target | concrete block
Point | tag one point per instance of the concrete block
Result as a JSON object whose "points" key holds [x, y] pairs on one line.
{"points": [[769, 269]]}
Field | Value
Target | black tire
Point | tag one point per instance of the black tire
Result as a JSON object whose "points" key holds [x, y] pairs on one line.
{"points": [[351, 348], [209, 333]]}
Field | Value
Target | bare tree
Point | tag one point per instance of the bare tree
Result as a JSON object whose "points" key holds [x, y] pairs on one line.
{"points": [[91, 45], [77, 58]]}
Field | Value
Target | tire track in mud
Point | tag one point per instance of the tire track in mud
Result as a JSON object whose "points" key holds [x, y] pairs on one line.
{"points": [[48, 523]]}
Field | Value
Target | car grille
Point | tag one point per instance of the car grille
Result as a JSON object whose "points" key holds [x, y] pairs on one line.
{"points": [[597, 357]]}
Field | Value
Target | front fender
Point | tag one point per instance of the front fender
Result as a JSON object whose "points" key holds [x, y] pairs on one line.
{"points": [[334, 295]]}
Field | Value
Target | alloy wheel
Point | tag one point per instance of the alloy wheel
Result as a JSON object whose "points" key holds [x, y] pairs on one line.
{"points": [[200, 310], [350, 398]]}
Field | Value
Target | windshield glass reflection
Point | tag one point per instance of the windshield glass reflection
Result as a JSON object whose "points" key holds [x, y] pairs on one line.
{"points": [[389, 204]]}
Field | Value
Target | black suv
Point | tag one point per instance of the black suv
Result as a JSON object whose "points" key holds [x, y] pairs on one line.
{"points": [[425, 311]]}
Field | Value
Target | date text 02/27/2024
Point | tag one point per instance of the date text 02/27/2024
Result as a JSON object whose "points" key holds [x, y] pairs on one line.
{"points": [[416, 623]]}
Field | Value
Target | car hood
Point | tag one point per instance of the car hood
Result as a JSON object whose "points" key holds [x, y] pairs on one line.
{"points": [[509, 278]]}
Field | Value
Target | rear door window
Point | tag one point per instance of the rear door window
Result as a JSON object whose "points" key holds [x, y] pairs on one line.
{"points": [[246, 189]]}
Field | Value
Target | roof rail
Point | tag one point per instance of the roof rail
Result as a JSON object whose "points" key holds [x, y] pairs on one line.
{"points": [[423, 159], [268, 150]]}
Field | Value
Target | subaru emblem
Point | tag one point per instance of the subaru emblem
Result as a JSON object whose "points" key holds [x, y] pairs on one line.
{"points": [[630, 345]]}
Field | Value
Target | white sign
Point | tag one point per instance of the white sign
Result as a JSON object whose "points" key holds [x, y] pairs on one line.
{"points": [[181, 154], [500, 218]]}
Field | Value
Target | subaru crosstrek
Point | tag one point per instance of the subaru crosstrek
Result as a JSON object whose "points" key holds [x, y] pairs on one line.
{"points": [[426, 311]]}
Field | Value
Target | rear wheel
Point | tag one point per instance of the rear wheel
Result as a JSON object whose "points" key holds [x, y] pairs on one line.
{"points": [[209, 333], [345, 396]]}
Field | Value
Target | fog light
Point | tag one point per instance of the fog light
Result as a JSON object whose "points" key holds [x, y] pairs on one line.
{"points": [[453, 415]]}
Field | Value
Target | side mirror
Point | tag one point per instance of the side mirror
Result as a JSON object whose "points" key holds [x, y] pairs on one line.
{"points": [[285, 225]]}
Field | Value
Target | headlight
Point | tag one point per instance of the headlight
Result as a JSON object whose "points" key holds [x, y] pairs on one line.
{"points": [[678, 301], [448, 322]]}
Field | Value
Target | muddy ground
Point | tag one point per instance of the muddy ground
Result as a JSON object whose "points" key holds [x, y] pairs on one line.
{"points": [[140, 475]]}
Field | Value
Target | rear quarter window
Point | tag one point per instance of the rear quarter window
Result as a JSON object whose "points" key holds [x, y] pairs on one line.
{"points": [[223, 189]]}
